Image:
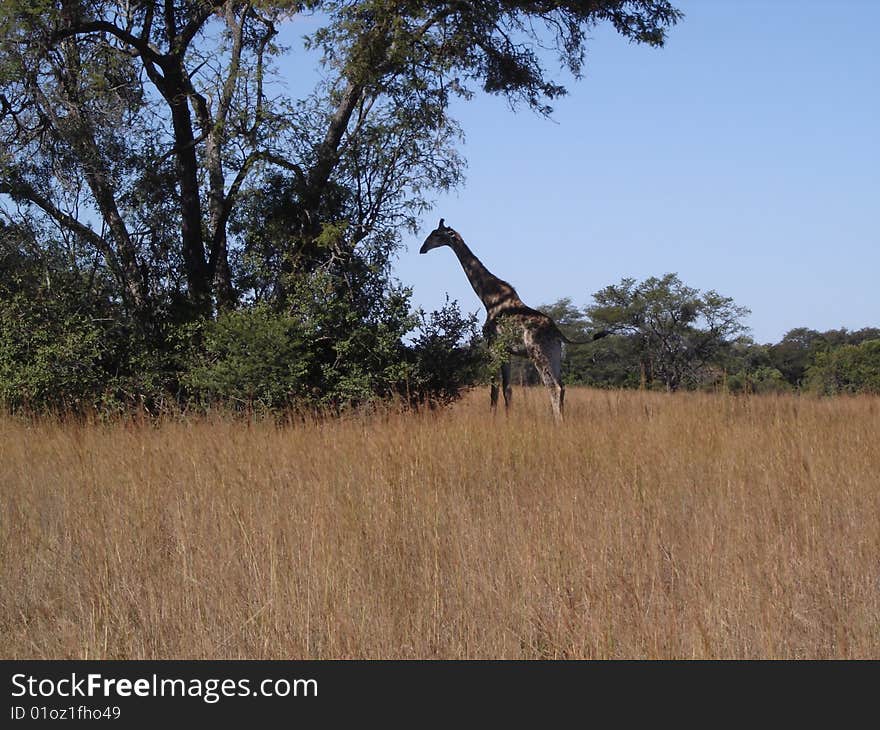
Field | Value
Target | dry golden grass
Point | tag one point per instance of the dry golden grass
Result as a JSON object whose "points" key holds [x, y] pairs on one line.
{"points": [[646, 526]]}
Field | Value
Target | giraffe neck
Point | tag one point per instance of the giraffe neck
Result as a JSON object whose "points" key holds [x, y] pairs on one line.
{"points": [[495, 293]]}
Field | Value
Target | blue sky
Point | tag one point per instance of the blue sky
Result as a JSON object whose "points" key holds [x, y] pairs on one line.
{"points": [[744, 155]]}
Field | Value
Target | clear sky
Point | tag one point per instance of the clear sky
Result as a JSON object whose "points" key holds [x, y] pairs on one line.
{"points": [[745, 156]]}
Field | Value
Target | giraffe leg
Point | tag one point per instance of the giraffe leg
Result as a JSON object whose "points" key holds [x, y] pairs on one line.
{"points": [[493, 393], [547, 358], [555, 356], [505, 384]]}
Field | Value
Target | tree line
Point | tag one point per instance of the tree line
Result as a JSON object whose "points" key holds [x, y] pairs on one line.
{"points": [[65, 345], [669, 336]]}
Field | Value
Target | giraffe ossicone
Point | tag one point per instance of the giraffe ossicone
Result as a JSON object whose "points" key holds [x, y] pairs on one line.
{"points": [[540, 336]]}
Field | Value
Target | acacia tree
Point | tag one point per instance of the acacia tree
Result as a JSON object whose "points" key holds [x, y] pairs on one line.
{"points": [[678, 329]]}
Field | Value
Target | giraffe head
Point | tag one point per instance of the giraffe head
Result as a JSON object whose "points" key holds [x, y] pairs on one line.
{"points": [[441, 236]]}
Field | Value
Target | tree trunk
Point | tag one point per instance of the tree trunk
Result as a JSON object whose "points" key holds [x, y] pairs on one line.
{"points": [[195, 265], [327, 157]]}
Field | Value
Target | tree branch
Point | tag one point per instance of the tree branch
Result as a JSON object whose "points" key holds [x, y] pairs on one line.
{"points": [[21, 190], [139, 43], [181, 40]]}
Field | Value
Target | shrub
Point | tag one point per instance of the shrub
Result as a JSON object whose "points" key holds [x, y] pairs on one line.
{"points": [[250, 357], [846, 369], [446, 356], [763, 379]]}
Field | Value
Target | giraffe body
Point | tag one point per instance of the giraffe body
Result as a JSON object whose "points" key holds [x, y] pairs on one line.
{"points": [[527, 331]]}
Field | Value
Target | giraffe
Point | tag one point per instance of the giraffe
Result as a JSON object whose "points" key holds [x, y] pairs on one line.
{"points": [[541, 337]]}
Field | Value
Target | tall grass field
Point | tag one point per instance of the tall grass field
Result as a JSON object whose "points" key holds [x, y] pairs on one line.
{"points": [[645, 526]]}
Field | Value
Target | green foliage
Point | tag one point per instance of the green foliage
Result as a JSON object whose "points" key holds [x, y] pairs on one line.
{"points": [[321, 350], [760, 380], [613, 362], [251, 357], [446, 356], [799, 348], [497, 44], [49, 356], [51, 344], [793, 354], [338, 339], [836, 361], [65, 345], [846, 369], [324, 354], [65, 342], [680, 332]]}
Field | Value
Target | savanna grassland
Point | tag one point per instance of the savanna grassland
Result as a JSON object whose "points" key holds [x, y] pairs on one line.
{"points": [[645, 526]]}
